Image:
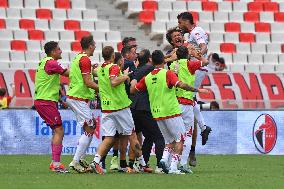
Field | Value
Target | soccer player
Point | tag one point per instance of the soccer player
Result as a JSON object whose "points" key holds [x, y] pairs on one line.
{"points": [[47, 86], [118, 60], [116, 115], [199, 38], [185, 70], [81, 90], [161, 85]]}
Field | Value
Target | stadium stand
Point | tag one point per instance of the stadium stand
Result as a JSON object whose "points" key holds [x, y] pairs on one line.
{"points": [[251, 29], [25, 25]]}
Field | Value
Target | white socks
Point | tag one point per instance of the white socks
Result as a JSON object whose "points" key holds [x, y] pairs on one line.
{"points": [[97, 158], [82, 146], [186, 150], [199, 117], [166, 154], [175, 161]]}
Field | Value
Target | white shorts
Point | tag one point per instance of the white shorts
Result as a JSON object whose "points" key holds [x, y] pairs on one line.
{"points": [[187, 117], [172, 129], [82, 112], [120, 121]]}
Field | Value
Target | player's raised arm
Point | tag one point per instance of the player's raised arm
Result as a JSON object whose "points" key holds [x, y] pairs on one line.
{"points": [[190, 88]]}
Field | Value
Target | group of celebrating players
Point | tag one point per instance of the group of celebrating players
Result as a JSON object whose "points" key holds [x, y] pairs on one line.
{"points": [[149, 94]]}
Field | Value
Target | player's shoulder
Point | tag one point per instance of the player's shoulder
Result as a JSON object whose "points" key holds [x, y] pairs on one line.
{"points": [[198, 29]]}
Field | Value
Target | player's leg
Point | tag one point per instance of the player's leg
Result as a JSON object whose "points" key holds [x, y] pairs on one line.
{"points": [[48, 111], [152, 134], [126, 123], [205, 130], [165, 162], [84, 119], [188, 119], [114, 160], [123, 143], [176, 130], [109, 129], [192, 158]]}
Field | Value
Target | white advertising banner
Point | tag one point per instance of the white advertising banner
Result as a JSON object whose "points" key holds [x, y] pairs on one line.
{"points": [[233, 132]]}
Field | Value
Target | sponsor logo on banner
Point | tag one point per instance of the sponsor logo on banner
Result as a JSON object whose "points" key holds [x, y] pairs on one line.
{"points": [[264, 133]]}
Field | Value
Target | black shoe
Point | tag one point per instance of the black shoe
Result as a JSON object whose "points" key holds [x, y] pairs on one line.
{"points": [[205, 134]]}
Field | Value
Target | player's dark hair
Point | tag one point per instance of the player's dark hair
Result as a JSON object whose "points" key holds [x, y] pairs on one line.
{"points": [[50, 46], [144, 57], [215, 56], [158, 57], [107, 52], [2, 91], [182, 52], [222, 60], [170, 32], [126, 40], [186, 16], [87, 41], [117, 57]]}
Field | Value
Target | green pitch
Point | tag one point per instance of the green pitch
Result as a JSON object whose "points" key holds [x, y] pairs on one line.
{"points": [[213, 171]]}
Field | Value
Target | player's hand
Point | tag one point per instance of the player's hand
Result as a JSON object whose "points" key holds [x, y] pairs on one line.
{"points": [[176, 68], [204, 91]]}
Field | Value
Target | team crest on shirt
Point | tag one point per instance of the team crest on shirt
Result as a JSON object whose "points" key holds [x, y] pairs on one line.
{"points": [[264, 133]]}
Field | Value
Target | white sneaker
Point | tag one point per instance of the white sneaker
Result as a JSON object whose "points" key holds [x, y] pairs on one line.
{"points": [[159, 170], [176, 172], [77, 167]]}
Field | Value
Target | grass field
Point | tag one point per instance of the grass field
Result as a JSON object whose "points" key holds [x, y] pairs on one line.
{"points": [[213, 171]]}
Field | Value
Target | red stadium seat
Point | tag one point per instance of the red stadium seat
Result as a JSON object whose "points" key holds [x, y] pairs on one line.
{"points": [[228, 48], [44, 14], [80, 34], [282, 48], [146, 17], [279, 16], [150, 5], [76, 46], [262, 27], [72, 25], [2, 24], [4, 3], [209, 6], [271, 6], [63, 4], [247, 37], [255, 6], [195, 16], [36, 35], [119, 46], [27, 24], [232, 27], [261, 0], [251, 16], [18, 45]]}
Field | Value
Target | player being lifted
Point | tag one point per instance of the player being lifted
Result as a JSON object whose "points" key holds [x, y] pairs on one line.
{"points": [[185, 70], [199, 39]]}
